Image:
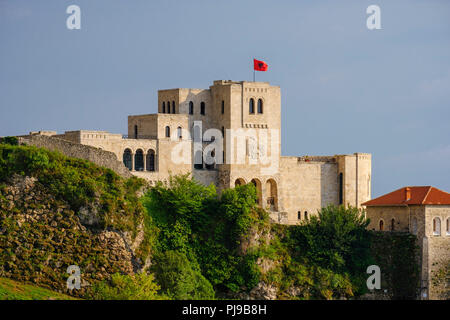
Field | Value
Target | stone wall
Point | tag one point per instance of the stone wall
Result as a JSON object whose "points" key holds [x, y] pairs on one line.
{"points": [[100, 157], [437, 258], [400, 214]]}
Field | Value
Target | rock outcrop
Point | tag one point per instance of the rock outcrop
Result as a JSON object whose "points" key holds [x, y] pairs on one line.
{"points": [[41, 236]]}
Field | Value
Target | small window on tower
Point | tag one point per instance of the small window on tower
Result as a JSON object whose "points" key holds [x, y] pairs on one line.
{"points": [[202, 108], [167, 132], [223, 107]]}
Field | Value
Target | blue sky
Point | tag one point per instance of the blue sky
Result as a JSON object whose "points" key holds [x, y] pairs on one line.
{"points": [[344, 88]]}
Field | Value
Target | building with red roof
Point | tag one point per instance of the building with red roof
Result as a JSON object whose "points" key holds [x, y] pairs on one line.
{"points": [[425, 212]]}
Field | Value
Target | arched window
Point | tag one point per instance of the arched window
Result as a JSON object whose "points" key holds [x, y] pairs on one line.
{"points": [[135, 131], [260, 106], [341, 188], [167, 132], [223, 107], [258, 187], [180, 133], [393, 224], [164, 107], [306, 215], [272, 194], [239, 182], [173, 106], [251, 106], [139, 160], [299, 215], [191, 107], [127, 159], [414, 225], [150, 160], [202, 108], [168, 106], [381, 225], [448, 227], [436, 226]]}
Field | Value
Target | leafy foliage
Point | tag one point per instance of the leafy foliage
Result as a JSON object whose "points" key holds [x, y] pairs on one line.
{"points": [[337, 240], [78, 182], [177, 278], [9, 140], [208, 229], [126, 287]]}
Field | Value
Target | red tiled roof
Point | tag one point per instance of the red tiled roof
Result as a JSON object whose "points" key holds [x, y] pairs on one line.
{"points": [[417, 195]]}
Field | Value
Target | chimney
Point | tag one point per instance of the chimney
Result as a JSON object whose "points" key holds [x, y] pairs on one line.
{"points": [[407, 193]]}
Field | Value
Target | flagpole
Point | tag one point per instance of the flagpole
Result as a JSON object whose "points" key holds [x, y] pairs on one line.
{"points": [[253, 74]]}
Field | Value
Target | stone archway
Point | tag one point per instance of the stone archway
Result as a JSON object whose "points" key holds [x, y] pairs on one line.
{"points": [[128, 159], [239, 182], [151, 163], [257, 184], [272, 194], [139, 160]]}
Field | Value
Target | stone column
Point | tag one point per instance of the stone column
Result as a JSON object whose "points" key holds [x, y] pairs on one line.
{"points": [[145, 162], [132, 161]]}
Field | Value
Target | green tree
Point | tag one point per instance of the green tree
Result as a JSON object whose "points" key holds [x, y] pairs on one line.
{"points": [[336, 239], [194, 220], [177, 278]]}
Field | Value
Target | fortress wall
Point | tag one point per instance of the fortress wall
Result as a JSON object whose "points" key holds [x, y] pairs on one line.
{"points": [[356, 170], [100, 157], [387, 213], [307, 186], [436, 262], [206, 177], [147, 125]]}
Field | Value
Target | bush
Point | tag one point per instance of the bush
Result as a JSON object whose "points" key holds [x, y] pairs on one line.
{"points": [[335, 240], [125, 287], [177, 278], [10, 140], [208, 229]]}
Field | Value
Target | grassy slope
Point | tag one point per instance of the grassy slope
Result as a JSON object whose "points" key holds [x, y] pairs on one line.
{"points": [[13, 290]]}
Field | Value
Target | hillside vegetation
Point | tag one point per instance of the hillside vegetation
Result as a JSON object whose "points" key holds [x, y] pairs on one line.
{"points": [[182, 240], [13, 290]]}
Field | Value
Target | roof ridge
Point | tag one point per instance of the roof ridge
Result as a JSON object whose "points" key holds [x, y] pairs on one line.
{"points": [[428, 192]]}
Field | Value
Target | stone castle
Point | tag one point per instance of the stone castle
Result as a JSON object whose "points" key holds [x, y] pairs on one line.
{"points": [[220, 136]]}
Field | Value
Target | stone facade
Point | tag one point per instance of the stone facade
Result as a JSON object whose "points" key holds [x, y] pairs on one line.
{"points": [[247, 116], [429, 220]]}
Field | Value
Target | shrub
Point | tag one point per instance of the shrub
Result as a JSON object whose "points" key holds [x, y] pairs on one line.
{"points": [[177, 278], [10, 140], [126, 287], [207, 228], [337, 243]]}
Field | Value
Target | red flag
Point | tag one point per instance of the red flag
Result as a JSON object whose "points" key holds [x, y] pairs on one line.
{"points": [[259, 65]]}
